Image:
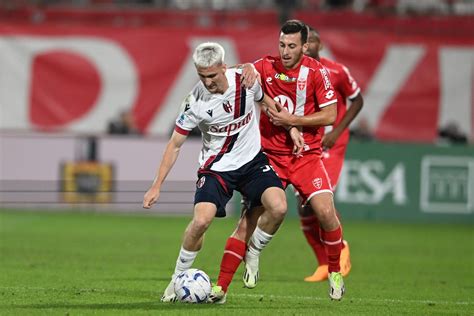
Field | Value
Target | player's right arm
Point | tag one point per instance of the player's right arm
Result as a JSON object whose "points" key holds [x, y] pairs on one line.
{"points": [[167, 162], [186, 121], [268, 104], [326, 116], [327, 103]]}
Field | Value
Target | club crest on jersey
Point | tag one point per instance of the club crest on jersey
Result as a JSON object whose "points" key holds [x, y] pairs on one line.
{"points": [[227, 107], [301, 84], [284, 77], [209, 112], [317, 182], [201, 182]]}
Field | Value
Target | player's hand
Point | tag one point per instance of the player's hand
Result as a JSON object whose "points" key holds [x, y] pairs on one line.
{"points": [[281, 118], [298, 141], [150, 198], [249, 75], [329, 139]]}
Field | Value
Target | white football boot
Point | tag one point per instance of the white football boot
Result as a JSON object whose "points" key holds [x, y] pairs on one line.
{"points": [[250, 276], [336, 286], [169, 295]]}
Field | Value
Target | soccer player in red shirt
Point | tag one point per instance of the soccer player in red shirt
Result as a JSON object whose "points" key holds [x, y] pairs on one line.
{"points": [[302, 86], [335, 140]]}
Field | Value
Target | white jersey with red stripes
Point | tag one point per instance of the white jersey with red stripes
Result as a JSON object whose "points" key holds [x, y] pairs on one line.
{"points": [[228, 123]]}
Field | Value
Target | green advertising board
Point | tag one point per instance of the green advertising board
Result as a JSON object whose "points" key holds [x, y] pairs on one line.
{"points": [[406, 182]]}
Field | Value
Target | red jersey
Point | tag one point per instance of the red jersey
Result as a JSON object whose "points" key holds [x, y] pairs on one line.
{"points": [[345, 87], [303, 91]]}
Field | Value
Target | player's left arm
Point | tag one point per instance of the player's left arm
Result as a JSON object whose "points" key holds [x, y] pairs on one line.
{"points": [[330, 138], [348, 89], [249, 74], [267, 104]]}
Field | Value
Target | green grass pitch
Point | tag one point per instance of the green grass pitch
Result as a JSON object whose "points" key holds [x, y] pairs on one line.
{"points": [[89, 263]]}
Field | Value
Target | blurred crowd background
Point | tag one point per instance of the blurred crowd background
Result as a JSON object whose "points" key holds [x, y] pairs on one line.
{"points": [[400, 7]]}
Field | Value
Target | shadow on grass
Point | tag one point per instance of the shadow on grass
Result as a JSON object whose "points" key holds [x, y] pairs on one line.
{"points": [[112, 306], [154, 279], [148, 306]]}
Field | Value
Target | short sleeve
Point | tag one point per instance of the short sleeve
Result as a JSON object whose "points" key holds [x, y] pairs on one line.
{"points": [[258, 64], [350, 88], [324, 90], [188, 118], [257, 91]]}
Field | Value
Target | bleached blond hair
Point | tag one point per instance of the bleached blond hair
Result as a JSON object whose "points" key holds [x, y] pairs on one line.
{"points": [[208, 54]]}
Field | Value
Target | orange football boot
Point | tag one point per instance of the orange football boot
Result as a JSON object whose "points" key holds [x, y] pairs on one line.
{"points": [[345, 260], [319, 275]]}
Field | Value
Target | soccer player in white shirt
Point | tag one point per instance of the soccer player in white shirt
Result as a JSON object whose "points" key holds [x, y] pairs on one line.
{"points": [[231, 159]]}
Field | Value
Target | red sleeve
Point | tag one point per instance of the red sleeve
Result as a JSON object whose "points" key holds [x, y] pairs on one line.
{"points": [[259, 66], [323, 87], [350, 88]]}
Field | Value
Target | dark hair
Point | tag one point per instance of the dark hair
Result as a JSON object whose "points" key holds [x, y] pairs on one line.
{"points": [[295, 26]]}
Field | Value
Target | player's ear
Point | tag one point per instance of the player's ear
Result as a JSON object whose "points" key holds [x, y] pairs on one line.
{"points": [[224, 67], [321, 46], [305, 48]]}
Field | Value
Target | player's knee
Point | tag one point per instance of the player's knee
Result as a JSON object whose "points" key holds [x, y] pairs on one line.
{"points": [[326, 215], [200, 224], [278, 208]]}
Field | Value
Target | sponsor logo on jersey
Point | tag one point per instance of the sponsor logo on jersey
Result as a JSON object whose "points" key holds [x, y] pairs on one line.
{"points": [[201, 182], [232, 128], [301, 84], [227, 107], [324, 74], [186, 107], [269, 80], [285, 102], [181, 119], [317, 182], [283, 77], [209, 112], [329, 94]]}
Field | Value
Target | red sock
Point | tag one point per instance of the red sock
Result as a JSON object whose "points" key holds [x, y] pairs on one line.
{"points": [[339, 218], [310, 228], [234, 253], [333, 242]]}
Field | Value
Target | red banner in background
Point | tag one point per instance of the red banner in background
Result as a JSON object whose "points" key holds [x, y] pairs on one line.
{"points": [[76, 78]]}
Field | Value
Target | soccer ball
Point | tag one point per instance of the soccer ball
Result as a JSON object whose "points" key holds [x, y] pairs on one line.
{"points": [[192, 286]]}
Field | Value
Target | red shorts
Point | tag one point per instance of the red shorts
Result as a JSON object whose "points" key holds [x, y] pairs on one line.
{"points": [[333, 160], [307, 173]]}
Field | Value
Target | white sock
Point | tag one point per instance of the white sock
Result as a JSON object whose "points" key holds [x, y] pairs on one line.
{"points": [[185, 260], [258, 241]]}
